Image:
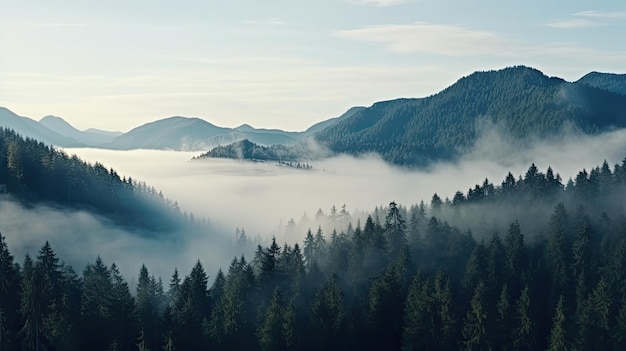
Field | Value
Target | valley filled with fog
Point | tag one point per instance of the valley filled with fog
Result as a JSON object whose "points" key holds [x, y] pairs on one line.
{"points": [[263, 197]]}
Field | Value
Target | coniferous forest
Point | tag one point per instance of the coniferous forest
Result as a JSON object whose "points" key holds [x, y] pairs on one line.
{"points": [[526, 264]]}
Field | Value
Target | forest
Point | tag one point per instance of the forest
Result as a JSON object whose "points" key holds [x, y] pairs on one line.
{"points": [[247, 150], [32, 172], [526, 264], [417, 132], [525, 102]]}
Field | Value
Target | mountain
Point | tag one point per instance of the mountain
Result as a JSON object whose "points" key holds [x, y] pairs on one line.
{"points": [[89, 137], [34, 173], [523, 100], [247, 150], [173, 133], [31, 129], [176, 133], [318, 127], [104, 132], [607, 81], [195, 134]]}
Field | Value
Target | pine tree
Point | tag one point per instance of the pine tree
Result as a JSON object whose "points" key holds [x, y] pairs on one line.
{"points": [[558, 336], [191, 309], [418, 331], [524, 328], [97, 326], [123, 311], [395, 230], [270, 333], [9, 298], [594, 320], [475, 331], [33, 305], [515, 258], [328, 315], [148, 309]]}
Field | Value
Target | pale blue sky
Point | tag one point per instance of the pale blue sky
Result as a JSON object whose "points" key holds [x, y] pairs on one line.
{"points": [[279, 64]]}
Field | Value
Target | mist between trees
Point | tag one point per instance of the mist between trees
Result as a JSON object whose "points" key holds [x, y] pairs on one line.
{"points": [[526, 263]]}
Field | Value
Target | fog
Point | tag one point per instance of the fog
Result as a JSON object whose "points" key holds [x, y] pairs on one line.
{"points": [[263, 197]]}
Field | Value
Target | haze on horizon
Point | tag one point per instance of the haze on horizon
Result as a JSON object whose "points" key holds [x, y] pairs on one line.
{"points": [[279, 64]]}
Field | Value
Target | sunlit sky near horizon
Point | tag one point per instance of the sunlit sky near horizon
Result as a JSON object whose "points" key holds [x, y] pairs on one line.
{"points": [[286, 64]]}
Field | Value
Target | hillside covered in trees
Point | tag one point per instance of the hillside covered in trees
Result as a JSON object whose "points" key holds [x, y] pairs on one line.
{"points": [[526, 264], [247, 150], [34, 173], [606, 81], [522, 102]]}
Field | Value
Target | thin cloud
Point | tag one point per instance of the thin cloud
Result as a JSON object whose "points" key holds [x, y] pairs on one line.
{"points": [[433, 38], [606, 15], [573, 24], [456, 41], [589, 19]]}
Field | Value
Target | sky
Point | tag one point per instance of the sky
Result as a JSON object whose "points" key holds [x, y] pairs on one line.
{"points": [[286, 64]]}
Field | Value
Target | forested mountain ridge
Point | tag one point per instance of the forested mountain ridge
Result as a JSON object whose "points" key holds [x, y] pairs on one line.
{"points": [[35, 173], [607, 81], [423, 277], [522, 100], [247, 150]]}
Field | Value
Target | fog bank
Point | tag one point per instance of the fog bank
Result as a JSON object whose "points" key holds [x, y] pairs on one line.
{"points": [[263, 197]]}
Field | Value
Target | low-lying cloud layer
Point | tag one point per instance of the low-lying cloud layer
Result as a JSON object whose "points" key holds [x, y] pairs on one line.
{"points": [[263, 197]]}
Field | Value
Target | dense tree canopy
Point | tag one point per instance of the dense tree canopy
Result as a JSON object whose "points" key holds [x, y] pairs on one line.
{"points": [[33, 173], [527, 264]]}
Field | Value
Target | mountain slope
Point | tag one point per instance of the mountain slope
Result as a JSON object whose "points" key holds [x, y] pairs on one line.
{"points": [[30, 128], [195, 134], [35, 173], [318, 127], [91, 138], [177, 133], [522, 100], [174, 133], [606, 81]]}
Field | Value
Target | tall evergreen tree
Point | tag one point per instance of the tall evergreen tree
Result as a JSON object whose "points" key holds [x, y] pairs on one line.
{"points": [[559, 338], [328, 316], [270, 333], [523, 332], [9, 298], [475, 329], [395, 230]]}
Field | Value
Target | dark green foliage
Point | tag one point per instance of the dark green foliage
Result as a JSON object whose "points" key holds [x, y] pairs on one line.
{"points": [[523, 331], [328, 315], [415, 132], [247, 150], [150, 305], [34, 173], [270, 333], [612, 82], [559, 338], [9, 298], [107, 309], [475, 325], [555, 281], [525, 102]]}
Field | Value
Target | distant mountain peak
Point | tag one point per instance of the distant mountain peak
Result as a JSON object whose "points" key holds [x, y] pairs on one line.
{"points": [[51, 117], [245, 128]]}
